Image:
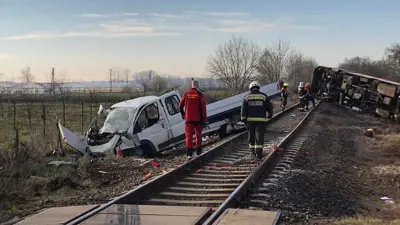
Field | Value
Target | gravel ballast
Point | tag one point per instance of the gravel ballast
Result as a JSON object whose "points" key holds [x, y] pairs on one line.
{"points": [[340, 172]]}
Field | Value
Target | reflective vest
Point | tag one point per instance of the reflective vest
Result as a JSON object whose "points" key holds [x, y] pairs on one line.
{"points": [[255, 107]]}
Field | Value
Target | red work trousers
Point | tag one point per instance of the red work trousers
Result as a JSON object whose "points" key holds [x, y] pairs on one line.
{"points": [[189, 130]]}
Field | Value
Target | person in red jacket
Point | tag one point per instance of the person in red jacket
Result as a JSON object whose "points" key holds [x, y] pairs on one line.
{"points": [[193, 110], [309, 95]]}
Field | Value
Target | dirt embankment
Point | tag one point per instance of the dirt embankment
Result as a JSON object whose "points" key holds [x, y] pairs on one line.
{"points": [[345, 174]]}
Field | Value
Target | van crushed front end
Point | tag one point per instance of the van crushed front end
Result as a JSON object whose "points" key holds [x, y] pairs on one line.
{"points": [[102, 138]]}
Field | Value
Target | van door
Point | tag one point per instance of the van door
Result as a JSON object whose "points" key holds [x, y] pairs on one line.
{"points": [[176, 123], [152, 125]]}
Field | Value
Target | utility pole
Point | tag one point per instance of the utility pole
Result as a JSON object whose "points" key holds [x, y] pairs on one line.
{"points": [[110, 80], [53, 86]]}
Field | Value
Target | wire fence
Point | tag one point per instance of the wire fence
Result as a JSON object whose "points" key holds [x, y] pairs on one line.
{"points": [[33, 118], [36, 122]]}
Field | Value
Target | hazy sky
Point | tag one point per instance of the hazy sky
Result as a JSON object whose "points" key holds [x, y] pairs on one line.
{"points": [[85, 38]]}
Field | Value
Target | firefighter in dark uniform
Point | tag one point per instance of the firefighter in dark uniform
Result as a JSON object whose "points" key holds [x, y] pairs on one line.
{"points": [[302, 96], [193, 110], [284, 95], [254, 114]]}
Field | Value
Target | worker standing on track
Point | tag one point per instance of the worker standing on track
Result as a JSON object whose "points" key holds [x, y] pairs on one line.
{"points": [[284, 95], [193, 110], [254, 114], [309, 95], [302, 96]]}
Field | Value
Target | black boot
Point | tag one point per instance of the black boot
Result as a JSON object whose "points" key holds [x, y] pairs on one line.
{"points": [[252, 153], [189, 153], [199, 150], [259, 153]]}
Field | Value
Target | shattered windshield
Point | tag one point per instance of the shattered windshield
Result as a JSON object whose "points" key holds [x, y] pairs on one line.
{"points": [[118, 120]]}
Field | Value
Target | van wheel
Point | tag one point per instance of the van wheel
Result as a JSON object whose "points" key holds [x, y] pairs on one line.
{"points": [[222, 131], [144, 151]]}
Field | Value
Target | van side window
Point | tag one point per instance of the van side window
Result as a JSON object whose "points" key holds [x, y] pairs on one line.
{"points": [[148, 117], [172, 104]]}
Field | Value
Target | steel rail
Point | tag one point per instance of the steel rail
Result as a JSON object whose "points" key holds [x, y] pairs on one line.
{"points": [[141, 192], [236, 196]]}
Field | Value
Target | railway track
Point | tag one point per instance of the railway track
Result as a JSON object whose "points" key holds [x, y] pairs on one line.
{"points": [[258, 197], [218, 178]]}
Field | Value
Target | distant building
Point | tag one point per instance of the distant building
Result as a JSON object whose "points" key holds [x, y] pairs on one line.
{"points": [[31, 88], [7, 87]]}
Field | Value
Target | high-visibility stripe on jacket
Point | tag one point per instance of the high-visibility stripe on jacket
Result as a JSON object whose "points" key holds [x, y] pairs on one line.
{"points": [[255, 107], [193, 107], [256, 146]]}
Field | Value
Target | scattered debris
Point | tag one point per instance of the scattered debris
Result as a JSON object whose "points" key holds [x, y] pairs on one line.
{"points": [[386, 198], [145, 163], [292, 115], [147, 175], [64, 163], [205, 138], [155, 163], [370, 133]]}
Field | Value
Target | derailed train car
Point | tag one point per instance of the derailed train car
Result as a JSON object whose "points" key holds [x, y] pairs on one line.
{"points": [[356, 91]]}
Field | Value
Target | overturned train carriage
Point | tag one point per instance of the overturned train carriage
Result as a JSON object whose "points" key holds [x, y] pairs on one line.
{"points": [[357, 91]]}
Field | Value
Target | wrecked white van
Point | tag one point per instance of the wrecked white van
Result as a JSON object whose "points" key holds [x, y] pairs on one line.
{"points": [[147, 125]]}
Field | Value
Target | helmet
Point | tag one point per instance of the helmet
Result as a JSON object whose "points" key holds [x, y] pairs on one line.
{"points": [[254, 84], [301, 84], [308, 85], [285, 84]]}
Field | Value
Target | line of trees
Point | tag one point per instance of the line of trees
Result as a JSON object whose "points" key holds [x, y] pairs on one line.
{"points": [[388, 66], [238, 61]]}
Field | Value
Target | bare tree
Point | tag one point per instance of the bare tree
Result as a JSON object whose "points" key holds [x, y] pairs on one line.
{"points": [[126, 73], [144, 79], [26, 75], [234, 63], [159, 83], [300, 68], [274, 61], [393, 58]]}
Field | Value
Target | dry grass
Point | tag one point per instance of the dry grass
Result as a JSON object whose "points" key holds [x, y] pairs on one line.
{"points": [[390, 142], [25, 171], [365, 221]]}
